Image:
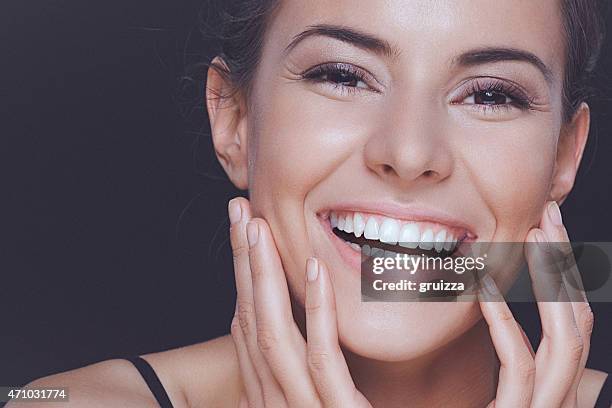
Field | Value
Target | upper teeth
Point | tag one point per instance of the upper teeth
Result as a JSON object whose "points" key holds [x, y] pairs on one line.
{"points": [[408, 234]]}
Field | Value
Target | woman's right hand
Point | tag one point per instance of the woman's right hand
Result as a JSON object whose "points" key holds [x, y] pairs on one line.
{"points": [[279, 367]]}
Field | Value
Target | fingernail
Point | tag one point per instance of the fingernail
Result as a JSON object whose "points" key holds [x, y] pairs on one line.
{"points": [[252, 233], [235, 211], [490, 285], [312, 269], [554, 213]]}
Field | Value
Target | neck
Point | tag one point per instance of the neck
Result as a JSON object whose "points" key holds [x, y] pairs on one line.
{"points": [[463, 373]]}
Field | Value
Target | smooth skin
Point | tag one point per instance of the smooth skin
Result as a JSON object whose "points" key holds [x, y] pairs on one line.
{"points": [[408, 133]]}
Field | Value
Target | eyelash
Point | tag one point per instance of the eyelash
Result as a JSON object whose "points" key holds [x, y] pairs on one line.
{"points": [[321, 73], [519, 99]]}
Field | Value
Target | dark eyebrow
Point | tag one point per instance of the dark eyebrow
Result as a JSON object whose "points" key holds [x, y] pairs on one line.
{"points": [[348, 35], [496, 54]]}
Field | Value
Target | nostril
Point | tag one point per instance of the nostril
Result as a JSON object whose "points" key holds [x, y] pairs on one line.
{"points": [[429, 173], [387, 169]]}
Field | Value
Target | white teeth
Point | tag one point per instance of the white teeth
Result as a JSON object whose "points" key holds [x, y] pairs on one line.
{"points": [[440, 240], [358, 225], [389, 231], [348, 224], [427, 239], [392, 232], [341, 223], [448, 245], [409, 236], [371, 229], [356, 247], [333, 219]]}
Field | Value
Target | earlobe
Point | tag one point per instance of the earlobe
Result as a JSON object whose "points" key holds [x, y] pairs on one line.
{"points": [[572, 141], [227, 117]]}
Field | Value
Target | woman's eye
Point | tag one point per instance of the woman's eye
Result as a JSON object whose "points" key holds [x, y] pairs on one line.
{"points": [[344, 79], [488, 98]]}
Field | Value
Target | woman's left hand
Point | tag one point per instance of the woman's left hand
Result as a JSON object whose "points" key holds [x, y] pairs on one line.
{"points": [[550, 377], [279, 367]]}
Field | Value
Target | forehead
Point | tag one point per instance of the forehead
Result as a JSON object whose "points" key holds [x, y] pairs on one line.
{"points": [[434, 29]]}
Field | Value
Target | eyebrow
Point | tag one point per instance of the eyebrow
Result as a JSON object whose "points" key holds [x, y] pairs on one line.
{"points": [[499, 54], [380, 46], [347, 35]]}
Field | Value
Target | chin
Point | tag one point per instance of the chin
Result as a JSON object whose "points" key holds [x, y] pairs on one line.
{"points": [[401, 331]]}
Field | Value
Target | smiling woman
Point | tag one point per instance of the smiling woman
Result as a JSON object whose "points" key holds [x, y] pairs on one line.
{"points": [[408, 123]]}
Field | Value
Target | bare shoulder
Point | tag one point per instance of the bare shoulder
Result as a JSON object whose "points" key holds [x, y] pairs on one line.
{"points": [[590, 387], [207, 373], [201, 375], [108, 383]]}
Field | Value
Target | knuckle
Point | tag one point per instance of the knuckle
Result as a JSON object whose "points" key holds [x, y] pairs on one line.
{"points": [[235, 326], [526, 368], [266, 340], [312, 307], [245, 313], [257, 272], [575, 347], [239, 250], [504, 315], [318, 360], [587, 320]]}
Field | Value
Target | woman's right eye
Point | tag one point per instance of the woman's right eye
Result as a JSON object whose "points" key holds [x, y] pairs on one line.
{"points": [[345, 76]]}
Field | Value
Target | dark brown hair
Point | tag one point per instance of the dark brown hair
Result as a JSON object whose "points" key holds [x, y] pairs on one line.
{"points": [[243, 25]]}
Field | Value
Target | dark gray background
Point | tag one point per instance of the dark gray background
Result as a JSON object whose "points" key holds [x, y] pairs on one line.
{"points": [[113, 225]]}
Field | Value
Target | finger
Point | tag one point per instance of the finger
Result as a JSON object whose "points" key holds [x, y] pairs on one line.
{"points": [[278, 336], [244, 403], [527, 341], [249, 376], [553, 227], [240, 214], [560, 349], [517, 367], [325, 359]]}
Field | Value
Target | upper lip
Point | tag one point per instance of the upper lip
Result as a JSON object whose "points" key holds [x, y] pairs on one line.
{"points": [[408, 212]]}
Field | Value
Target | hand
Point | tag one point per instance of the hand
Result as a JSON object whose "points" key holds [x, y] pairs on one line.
{"points": [[550, 377], [279, 368]]}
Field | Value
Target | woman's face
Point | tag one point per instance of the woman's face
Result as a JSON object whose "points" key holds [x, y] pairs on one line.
{"points": [[445, 114]]}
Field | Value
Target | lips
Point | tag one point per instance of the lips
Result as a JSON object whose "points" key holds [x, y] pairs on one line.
{"points": [[432, 231]]}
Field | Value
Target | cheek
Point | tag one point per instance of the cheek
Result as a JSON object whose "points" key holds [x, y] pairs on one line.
{"points": [[512, 165], [299, 141], [296, 143]]}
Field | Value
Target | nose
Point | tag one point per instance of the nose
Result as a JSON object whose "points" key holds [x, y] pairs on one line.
{"points": [[410, 147]]}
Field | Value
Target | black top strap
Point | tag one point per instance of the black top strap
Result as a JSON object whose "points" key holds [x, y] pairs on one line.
{"points": [[605, 395], [152, 380]]}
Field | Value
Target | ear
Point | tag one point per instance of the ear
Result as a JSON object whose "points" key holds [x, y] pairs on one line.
{"points": [[228, 124], [570, 148]]}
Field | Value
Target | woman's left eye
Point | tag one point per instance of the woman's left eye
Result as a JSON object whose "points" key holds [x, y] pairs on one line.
{"points": [[492, 94], [489, 98]]}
